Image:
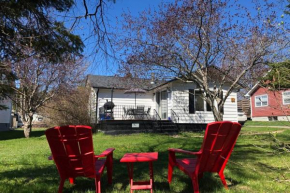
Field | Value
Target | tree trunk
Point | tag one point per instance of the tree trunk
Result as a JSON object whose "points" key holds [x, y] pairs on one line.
{"points": [[28, 125], [218, 116]]}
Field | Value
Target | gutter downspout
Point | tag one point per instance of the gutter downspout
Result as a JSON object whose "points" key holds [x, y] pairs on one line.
{"points": [[112, 96], [97, 104]]}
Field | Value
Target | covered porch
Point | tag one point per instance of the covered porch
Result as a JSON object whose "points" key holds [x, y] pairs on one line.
{"points": [[117, 105]]}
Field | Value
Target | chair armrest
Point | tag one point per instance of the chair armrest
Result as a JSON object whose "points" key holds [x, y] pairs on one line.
{"points": [[184, 151], [105, 153]]}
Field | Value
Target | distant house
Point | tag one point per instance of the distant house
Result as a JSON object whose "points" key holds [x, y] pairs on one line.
{"points": [[269, 105], [167, 100], [6, 119], [5, 115], [39, 120]]}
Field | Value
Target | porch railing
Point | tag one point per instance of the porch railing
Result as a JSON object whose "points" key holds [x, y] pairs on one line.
{"points": [[124, 112], [156, 116], [174, 116]]}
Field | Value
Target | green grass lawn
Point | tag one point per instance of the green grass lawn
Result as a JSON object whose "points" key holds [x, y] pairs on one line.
{"points": [[267, 123], [260, 163]]}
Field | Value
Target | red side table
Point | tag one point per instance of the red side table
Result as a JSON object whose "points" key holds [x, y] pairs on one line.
{"points": [[130, 158]]}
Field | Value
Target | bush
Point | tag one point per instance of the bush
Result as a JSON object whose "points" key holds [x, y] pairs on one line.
{"points": [[69, 108]]}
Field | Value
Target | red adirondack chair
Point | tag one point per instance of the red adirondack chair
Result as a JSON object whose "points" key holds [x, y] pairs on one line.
{"points": [[218, 143], [73, 153]]}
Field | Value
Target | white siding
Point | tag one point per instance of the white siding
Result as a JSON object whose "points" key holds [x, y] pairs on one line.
{"points": [[180, 104], [231, 108]]}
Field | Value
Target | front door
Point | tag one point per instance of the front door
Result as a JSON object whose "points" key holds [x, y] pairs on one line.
{"points": [[164, 105]]}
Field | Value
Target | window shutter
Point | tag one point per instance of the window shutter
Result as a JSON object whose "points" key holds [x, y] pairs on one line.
{"points": [[191, 101]]}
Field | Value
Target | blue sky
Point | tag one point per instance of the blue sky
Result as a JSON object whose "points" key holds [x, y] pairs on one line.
{"points": [[99, 65]]}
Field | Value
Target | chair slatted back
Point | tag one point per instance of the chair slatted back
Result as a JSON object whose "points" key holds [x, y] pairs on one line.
{"points": [[72, 150], [148, 110], [125, 111], [218, 143]]}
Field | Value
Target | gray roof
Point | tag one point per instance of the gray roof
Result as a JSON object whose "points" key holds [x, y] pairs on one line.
{"points": [[98, 81], [125, 83]]}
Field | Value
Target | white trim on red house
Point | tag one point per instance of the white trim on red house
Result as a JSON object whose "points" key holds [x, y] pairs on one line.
{"points": [[288, 97], [253, 89], [251, 107], [261, 100]]}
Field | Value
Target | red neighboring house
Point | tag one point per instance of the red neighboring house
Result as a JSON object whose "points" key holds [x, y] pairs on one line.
{"points": [[268, 105]]}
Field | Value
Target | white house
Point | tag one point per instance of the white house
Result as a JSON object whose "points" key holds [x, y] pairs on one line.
{"points": [[165, 99], [5, 115]]}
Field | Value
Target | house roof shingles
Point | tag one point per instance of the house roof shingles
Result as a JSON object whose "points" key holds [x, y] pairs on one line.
{"points": [[97, 81]]}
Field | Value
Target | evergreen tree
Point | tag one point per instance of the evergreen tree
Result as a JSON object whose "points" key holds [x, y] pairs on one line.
{"points": [[279, 76], [287, 11], [28, 25]]}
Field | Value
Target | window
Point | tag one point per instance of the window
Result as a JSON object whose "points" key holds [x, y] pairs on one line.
{"points": [[261, 101], [286, 98], [208, 107], [196, 102]]}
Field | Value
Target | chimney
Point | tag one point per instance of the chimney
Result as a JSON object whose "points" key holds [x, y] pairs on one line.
{"points": [[152, 78]]}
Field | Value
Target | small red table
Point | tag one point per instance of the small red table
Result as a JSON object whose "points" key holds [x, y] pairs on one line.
{"points": [[130, 158]]}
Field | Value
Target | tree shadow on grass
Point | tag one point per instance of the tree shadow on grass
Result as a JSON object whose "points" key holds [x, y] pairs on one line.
{"points": [[45, 178], [180, 183], [19, 133], [29, 179], [237, 168]]}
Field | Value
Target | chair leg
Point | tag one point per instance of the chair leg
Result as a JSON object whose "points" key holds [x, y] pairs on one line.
{"points": [[61, 185], [195, 184], [170, 171], [98, 185], [171, 164], [221, 174], [109, 165]]}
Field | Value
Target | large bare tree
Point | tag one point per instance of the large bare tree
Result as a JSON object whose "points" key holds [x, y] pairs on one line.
{"points": [[40, 80], [91, 15], [188, 39]]}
